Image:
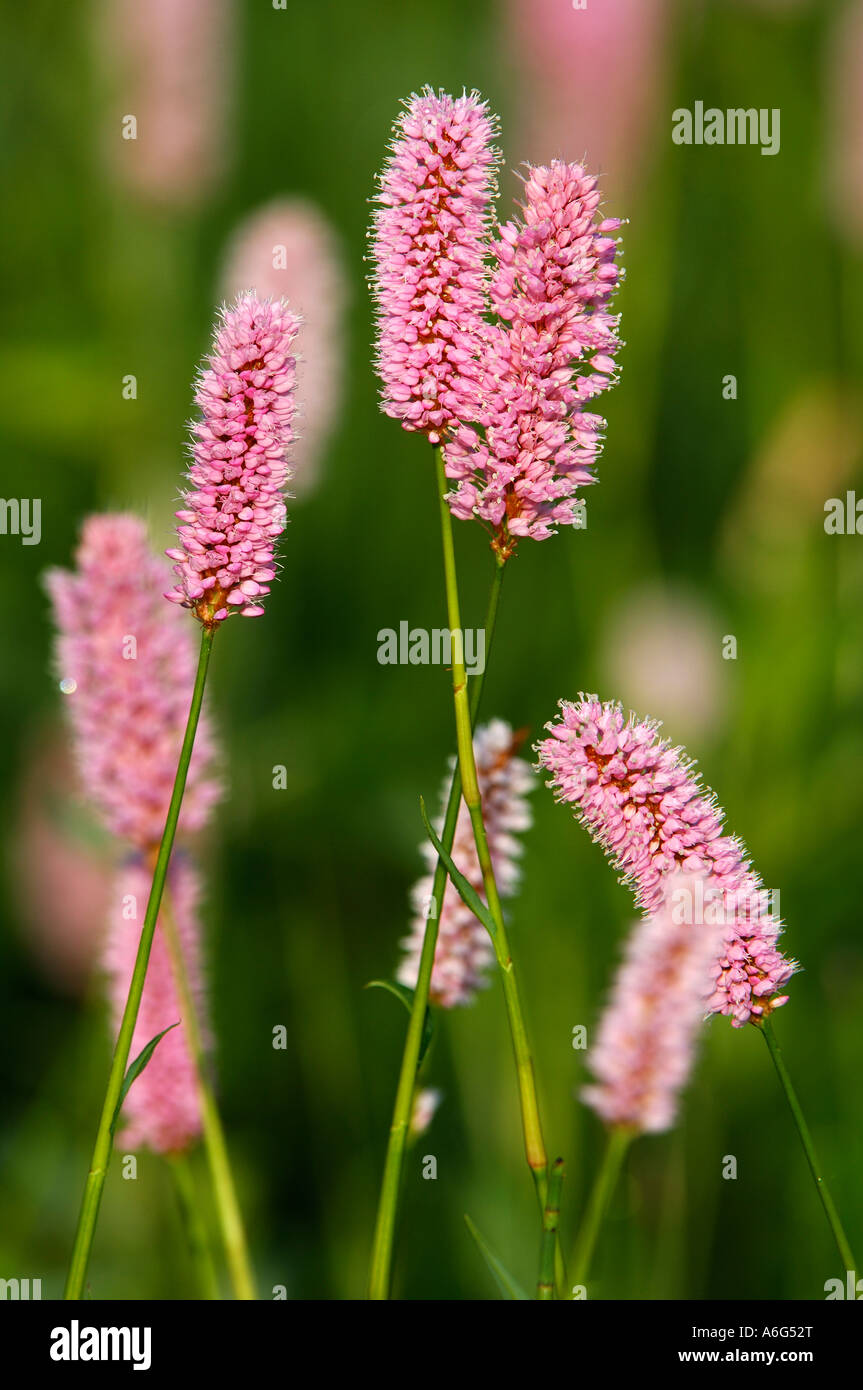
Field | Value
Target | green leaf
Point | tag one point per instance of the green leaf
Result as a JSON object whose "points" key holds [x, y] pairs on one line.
{"points": [[466, 891], [407, 998], [509, 1287], [137, 1067]]}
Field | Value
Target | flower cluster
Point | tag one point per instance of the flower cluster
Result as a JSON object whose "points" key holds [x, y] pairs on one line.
{"points": [[464, 951], [642, 801], [235, 510], [429, 243], [645, 1043], [162, 1110], [519, 459], [126, 661]]}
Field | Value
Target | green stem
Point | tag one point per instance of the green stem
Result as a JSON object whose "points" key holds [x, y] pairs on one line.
{"points": [[531, 1125], [619, 1140], [194, 1225], [550, 1219], [380, 1274], [224, 1191], [808, 1146], [95, 1183]]}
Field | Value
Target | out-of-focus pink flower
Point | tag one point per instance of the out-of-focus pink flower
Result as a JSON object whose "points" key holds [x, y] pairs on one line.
{"points": [[161, 1111], [170, 66], [126, 662], [234, 511], [426, 1102], [591, 82], [464, 950], [288, 249], [550, 353], [641, 799], [429, 241], [843, 147], [61, 879], [645, 1045], [663, 651]]}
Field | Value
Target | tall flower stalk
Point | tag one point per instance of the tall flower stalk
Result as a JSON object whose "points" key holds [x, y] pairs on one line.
{"points": [[380, 1268], [502, 403], [233, 512], [643, 802], [101, 1157], [534, 1143]]}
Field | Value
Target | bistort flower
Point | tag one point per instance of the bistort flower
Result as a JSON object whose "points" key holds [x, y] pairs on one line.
{"points": [[126, 662], [645, 1044], [464, 951], [429, 243], [161, 1110], [234, 511], [643, 802], [519, 458]]}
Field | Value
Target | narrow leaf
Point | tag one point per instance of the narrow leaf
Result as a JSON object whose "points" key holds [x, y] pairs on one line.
{"points": [[509, 1287], [466, 891], [137, 1067], [407, 998]]}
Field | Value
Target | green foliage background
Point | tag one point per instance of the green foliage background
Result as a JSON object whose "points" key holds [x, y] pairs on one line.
{"points": [[733, 266]]}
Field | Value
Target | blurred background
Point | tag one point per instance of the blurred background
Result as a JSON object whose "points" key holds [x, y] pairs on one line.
{"points": [[258, 126]]}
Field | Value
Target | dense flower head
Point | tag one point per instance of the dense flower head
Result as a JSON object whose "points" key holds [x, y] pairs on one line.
{"points": [[643, 802], [530, 443], [126, 662], [234, 511], [464, 951], [161, 1111], [645, 1043], [288, 249], [429, 243]]}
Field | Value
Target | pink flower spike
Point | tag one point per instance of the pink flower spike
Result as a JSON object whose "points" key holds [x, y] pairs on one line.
{"points": [[126, 664], [161, 1111], [429, 243], [643, 802], [234, 511], [529, 442], [464, 951], [645, 1045]]}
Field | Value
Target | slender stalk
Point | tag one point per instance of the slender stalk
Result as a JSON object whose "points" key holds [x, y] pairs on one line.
{"points": [[224, 1192], [619, 1140], [823, 1190], [380, 1273], [531, 1125], [550, 1219], [194, 1226], [95, 1183]]}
